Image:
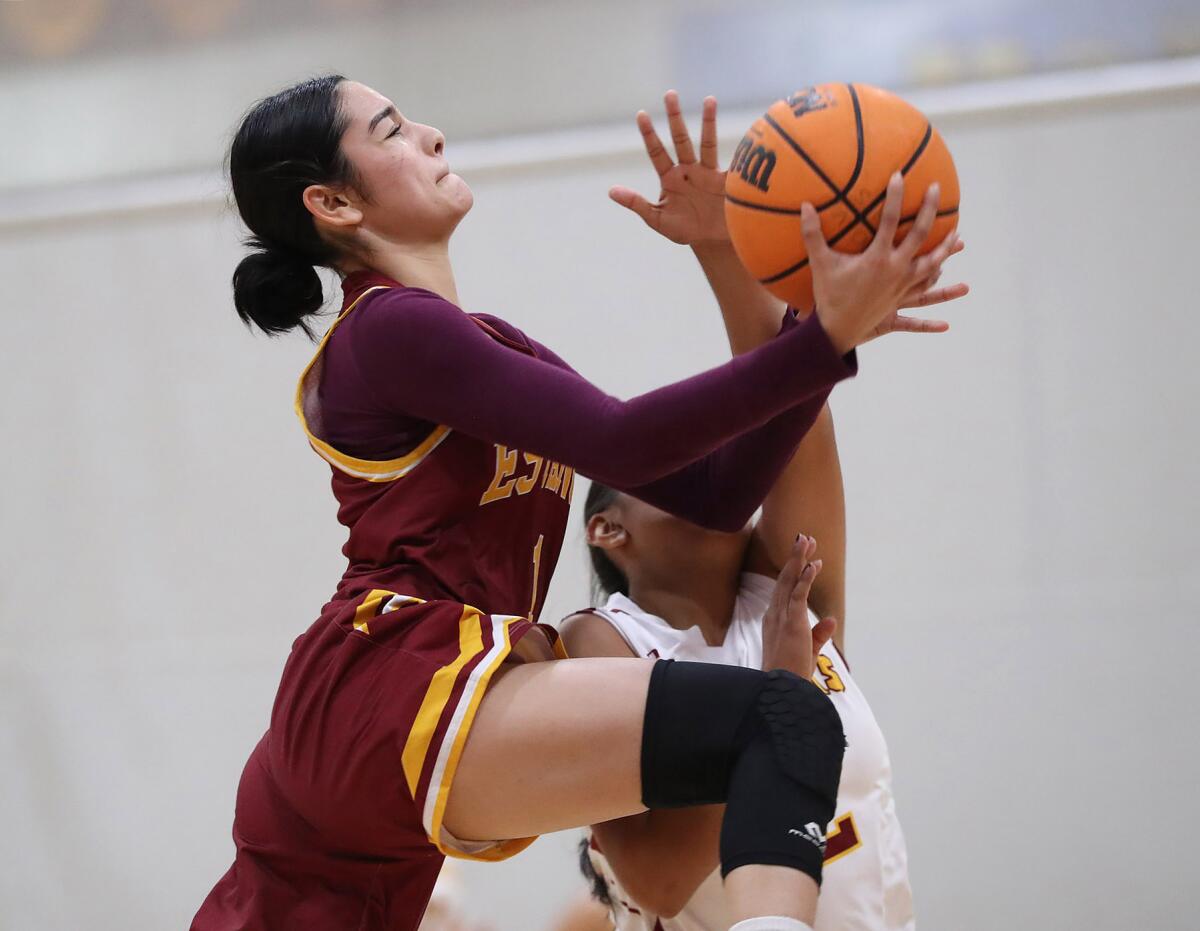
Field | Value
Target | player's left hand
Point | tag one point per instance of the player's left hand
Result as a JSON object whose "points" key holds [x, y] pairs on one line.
{"points": [[788, 641], [691, 203]]}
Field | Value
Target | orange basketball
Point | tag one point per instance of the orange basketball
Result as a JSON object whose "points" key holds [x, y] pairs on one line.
{"points": [[835, 146]]}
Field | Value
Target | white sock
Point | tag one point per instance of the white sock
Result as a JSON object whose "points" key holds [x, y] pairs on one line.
{"points": [[771, 923]]}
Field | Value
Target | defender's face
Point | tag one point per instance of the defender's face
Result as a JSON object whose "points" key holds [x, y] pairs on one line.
{"points": [[409, 193], [667, 546]]}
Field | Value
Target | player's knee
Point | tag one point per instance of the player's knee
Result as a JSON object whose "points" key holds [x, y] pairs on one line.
{"points": [[805, 730], [769, 745], [701, 718], [783, 791]]}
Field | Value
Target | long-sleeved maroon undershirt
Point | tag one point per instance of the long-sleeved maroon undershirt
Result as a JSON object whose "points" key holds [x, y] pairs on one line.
{"points": [[707, 449]]}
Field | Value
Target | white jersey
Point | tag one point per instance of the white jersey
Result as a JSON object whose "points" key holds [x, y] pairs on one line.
{"points": [[865, 885]]}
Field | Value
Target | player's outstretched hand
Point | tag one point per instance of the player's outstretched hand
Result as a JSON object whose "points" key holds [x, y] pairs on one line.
{"points": [[691, 202], [858, 295], [788, 641], [925, 294]]}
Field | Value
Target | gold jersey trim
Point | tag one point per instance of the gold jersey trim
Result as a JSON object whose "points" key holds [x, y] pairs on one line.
{"points": [[307, 410]]}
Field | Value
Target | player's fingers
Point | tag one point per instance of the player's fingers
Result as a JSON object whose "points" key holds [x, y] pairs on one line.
{"points": [[789, 575], [802, 549], [634, 201], [684, 152], [708, 133], [928, 267], [797, 603], [924, 267], [890, 219], [943, 250], [777, 610], [902, 324], [920, 287], [950, 245], [822, 633], [814, 239], [924, 223], [937, 296], [784, 583], [659, 157], [808, 570]]}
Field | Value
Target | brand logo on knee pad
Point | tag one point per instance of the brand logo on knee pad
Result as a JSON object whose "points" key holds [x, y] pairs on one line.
{"points": [[811, 833]]}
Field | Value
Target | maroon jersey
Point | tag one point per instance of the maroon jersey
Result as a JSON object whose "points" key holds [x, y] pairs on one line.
{"points": [[455, 517], [339, 811], [446, 434]]}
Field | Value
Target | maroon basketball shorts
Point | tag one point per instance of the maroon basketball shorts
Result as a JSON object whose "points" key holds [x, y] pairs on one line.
{"points": [[340, 807]]}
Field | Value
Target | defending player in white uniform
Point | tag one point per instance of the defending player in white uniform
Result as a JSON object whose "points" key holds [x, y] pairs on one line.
{"points": [[866, 869], [691, 594]]}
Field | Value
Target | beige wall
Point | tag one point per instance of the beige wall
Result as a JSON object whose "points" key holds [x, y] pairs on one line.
{"points": [[1023, 598]]}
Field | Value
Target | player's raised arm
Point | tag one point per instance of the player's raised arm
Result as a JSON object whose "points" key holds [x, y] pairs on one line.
{"points": [[808, 496], [690, 210], [707, 448]]}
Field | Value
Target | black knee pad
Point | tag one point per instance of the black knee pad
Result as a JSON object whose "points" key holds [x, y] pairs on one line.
{"points": [[783, 789], [770, 745], [805, 729]]}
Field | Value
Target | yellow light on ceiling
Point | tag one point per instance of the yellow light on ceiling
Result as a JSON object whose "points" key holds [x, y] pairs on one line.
{"points": [[196, 20], [52, 28]]}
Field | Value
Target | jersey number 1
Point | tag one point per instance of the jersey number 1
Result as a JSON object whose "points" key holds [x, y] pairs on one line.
{"points": [[537, 565]]}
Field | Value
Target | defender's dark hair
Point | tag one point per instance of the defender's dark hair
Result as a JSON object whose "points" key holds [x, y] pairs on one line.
{"points": [[285, 143], [606, 577], [599, 888]]}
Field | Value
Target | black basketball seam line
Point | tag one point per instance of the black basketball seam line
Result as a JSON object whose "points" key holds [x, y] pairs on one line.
{"points": [[795, 268], [858, 128], [783, 274], [948, 212], [796, 147], [907, 166], [788, 211], [838, 197], [766, 208], [841, 234], [842, 196], [862, 150]]}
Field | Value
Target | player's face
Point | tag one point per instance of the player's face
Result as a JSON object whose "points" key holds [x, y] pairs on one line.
{"points": [[409, 194], [666, 547]]}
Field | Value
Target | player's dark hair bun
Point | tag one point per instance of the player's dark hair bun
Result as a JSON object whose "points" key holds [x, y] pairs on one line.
{"points": [[275, 290], [285, 143]]}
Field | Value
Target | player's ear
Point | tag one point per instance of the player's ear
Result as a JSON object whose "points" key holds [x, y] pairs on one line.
{"points": [[332, 207], [606, 532]]}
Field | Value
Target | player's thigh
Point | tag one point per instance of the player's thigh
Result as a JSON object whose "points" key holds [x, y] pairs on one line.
{"points": [[554, 745]]}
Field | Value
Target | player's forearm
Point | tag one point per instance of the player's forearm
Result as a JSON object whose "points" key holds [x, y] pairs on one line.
{"points": [[661, 857], [751, 313], [809, 498]]}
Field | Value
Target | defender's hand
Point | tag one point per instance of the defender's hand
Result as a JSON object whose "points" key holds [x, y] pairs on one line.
{"points": [[788, 641], [691, 203]]}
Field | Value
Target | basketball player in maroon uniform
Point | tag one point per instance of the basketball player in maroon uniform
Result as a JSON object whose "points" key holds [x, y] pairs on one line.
{"points": [[418, 716]]}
